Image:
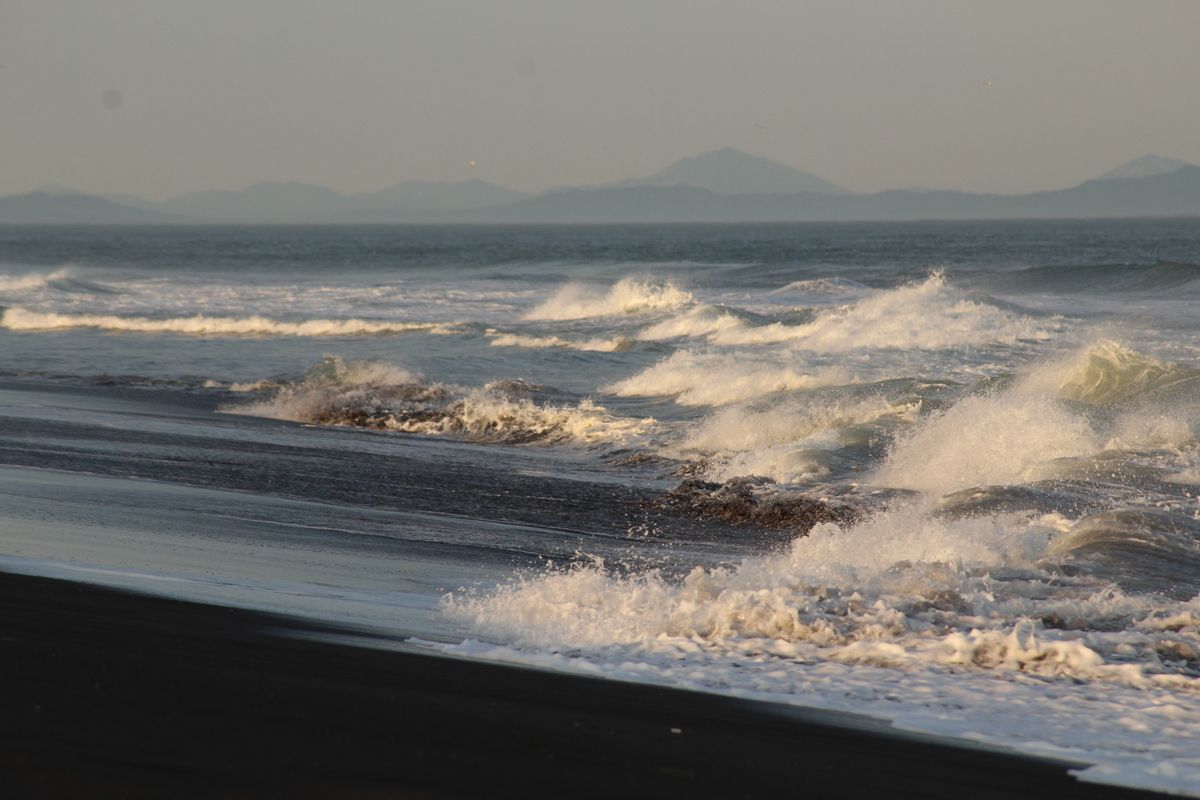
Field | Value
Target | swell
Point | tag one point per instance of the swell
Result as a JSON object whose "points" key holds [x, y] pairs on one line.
{"points": [[1099, 278]]}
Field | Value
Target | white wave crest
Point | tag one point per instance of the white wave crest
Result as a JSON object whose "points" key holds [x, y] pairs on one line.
{"points": [[700, 320], [614, 345], [21, 319], [922, 316], [899, 589], [34, 280], [373, 395], [626, 296], [790, 442], [1014, 436], [1108, 372], [720, 378], [987, 440]]}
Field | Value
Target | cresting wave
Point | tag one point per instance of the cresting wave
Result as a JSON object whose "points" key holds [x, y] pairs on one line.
{"points": [[377, 396], [614, 345], [21, 319], [929, 315], [1028, 433], [627, 296], [698, 378], [33, 280], [899, 589]]}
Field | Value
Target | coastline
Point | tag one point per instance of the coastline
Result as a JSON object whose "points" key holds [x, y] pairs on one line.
{"points": [[109, 693]]}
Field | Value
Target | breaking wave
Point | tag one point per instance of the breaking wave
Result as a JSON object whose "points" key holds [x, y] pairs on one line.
{"points": [[1109, 372], [20, 319], [799, 440], [1022, 433], [614, 345], [923, 316], [699, 320], [626, 296], [720, 378], [367, 394], [64, 279], [898, 589]]}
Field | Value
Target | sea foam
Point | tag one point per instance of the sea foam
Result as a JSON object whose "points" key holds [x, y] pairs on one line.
{"points": [[627, 296], [929, 315], [21, 319], [715, 378], [371, 395]]}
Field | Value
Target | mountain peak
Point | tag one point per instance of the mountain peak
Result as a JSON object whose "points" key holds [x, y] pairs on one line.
{"points": [[731, 171], [1144, 167]]}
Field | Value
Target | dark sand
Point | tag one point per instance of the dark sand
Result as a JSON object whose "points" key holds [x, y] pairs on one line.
{"points": [[111, 694]]}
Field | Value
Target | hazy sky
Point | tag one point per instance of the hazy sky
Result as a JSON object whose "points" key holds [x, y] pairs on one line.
{"points": [[162, 97]]}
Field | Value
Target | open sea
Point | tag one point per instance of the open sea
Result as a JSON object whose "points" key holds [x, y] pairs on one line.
{"points": [[944, 474]]}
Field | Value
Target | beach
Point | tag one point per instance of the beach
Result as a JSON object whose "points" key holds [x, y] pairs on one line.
{"points": [[116, 694]]}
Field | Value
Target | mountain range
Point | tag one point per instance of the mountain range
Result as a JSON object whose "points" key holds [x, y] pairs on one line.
{"points": [[724, 185]]}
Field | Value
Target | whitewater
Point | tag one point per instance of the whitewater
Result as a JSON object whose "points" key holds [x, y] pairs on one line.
{"points": [[947, 475]]}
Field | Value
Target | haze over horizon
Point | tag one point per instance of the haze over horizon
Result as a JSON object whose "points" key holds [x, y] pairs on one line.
{"points": [[159, 101]]}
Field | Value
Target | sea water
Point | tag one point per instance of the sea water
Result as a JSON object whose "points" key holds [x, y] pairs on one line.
{"points": [[607, 431]]}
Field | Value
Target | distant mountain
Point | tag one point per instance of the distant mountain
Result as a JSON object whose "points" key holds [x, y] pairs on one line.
{"points": [[1144, 167], [115, 197], [74, 209], [292, 203], [730, 171], [1166, 194], [414, 200], [1148, 186], [264, 202]]}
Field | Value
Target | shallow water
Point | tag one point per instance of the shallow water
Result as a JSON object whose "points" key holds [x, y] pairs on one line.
{"points": [[606, 449]]}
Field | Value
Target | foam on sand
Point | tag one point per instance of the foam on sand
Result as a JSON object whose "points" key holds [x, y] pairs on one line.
{"points": [[898, 615], [21, 319], [626, 296]]}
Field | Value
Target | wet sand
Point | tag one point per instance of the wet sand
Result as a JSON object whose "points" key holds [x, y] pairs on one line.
{"points": [[105, 693]]}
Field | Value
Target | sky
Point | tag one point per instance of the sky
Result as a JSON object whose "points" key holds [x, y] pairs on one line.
{"points": [[166, 97]]}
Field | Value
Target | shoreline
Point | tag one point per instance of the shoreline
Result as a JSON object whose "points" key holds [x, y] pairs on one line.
{"points": [[110, 693]]}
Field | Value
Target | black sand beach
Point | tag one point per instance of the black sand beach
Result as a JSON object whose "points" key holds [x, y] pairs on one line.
{"points": [[113, 694]]}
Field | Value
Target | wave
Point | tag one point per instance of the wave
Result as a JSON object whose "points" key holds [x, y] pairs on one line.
{"points": [[21, 319], [371, 395], [822, 286], [800, 440], [699, 320], [64, 279], [1100, 278], [929, 315], [614, 345], [898, 589], [1108, 372], [720, 378], [626, 296], [1016, 435], [1142, 549], [985, 440]]}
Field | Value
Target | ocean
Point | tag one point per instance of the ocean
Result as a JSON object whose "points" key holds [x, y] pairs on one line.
{"points": [[943, 474]]}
